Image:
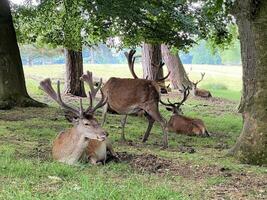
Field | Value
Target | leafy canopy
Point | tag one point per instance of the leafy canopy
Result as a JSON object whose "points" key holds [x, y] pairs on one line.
{"points": [[73, 23]]}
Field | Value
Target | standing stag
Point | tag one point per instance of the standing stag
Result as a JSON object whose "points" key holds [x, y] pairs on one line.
{"points": [[181, 124], [128, 96], [200, 92], [70, 145]]}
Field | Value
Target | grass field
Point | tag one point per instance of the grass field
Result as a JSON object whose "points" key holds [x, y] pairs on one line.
{"points": [[192, 167]]}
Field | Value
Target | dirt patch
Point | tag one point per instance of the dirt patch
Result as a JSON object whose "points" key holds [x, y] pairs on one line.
{"points": [[154, 164], [242, 186]]}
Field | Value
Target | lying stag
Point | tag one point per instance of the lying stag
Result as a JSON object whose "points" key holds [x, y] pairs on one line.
{"points": [[200, 92], [97, 150], [181, 124], [127, 96], [70, 145]]}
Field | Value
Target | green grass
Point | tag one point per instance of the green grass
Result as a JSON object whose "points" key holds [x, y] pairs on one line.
{"points": [[27, 170]]}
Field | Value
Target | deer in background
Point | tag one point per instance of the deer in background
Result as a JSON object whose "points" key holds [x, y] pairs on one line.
{"points": [[181, 124], [200, 92], [70, 145], [128, 96]]}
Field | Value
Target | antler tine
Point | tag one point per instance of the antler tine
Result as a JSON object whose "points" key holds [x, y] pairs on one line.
{"points": [[162, 79], [185, 95], [90, 102], [202, 76], [101, 103], [167, 104], [48, 89], [88, 78], [64, 105], [131, 61], [159, 66]]}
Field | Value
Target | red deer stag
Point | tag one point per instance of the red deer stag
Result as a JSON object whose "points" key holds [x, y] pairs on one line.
{"points": [[70, 145], [200, 92], [97, 150], [127, 96], [181, 124]]}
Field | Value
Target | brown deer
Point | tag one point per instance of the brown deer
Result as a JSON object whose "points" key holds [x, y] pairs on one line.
{"points": [[70, 145], [97, 151], [200, 92], [181, 124], [126, 96]]}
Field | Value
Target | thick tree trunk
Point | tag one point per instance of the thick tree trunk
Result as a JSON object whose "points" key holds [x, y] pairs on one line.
{"points": [[178, 76], [12, 83], [74, 70], [151, 54], [251, 146]]}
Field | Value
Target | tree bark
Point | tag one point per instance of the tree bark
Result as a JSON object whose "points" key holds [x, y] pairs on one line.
{"points": [[151, 53], [178, 76], [12, 82], [74, 70], [251, 146]]}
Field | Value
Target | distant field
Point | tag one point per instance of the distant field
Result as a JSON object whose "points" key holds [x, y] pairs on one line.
{"points": [[222, 81]]}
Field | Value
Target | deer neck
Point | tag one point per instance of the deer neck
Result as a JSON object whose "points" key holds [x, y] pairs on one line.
{"points": [[78, 144]]}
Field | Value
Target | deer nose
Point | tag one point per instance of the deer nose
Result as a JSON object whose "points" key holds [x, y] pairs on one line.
{"points": [[102, 136]]}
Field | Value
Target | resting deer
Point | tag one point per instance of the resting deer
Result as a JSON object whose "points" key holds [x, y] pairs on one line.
{"points": [[70, 145], [126, 96], [181, 124], [97, 150], [200, 92]]}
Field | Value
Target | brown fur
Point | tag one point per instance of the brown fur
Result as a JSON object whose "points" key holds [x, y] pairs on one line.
{"points": [[202, 93], [128, 96], [185, 125], [97, 151]]}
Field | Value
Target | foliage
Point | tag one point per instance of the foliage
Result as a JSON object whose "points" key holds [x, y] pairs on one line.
{"points": [[66, 23], [73, 23]]}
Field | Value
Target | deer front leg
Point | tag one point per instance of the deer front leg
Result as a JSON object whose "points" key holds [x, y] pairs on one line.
{"points": [[150, 125], [123, 122]]}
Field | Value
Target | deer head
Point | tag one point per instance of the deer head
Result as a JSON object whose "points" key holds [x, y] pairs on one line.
{"points": [[131, 59], [83, 120], [176, 107]]}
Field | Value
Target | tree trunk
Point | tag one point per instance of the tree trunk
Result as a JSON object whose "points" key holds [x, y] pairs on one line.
{"points": [[178, 75], [12, 83], [251, 146], [151, 54], [74, 70]]}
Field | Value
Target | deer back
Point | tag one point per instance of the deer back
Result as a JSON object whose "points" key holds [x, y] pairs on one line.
{"points": [[129, 95]]}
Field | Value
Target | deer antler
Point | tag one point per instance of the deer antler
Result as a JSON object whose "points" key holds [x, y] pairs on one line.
{"points": [[131, 59], [48, 89], [186, 93], [202, 76], [102, 102], [159, 66], [178, 104], [88, 78]]}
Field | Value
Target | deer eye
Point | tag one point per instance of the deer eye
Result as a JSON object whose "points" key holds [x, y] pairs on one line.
{"points": [[86, 124]]}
